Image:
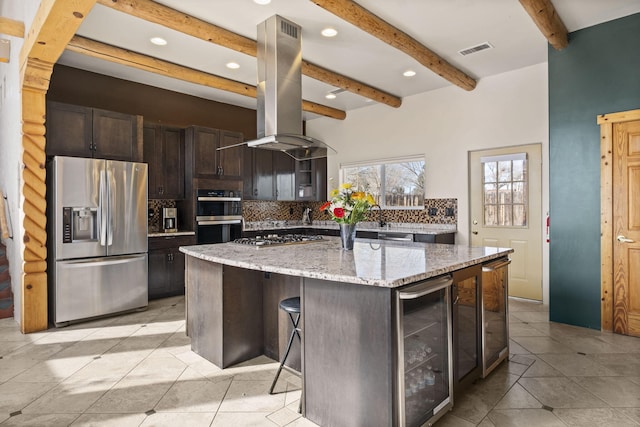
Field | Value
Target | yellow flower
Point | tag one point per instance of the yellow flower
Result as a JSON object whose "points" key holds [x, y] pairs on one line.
{"points": [[345, 186], [358, 195], [334, 193], [370, 199]]}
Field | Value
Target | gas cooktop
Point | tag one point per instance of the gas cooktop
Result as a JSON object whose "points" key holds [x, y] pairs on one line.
{"points": [[277, 240]]}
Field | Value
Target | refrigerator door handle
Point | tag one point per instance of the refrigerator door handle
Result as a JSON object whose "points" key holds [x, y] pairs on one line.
{"points": [[102, 212], [112, 206]]}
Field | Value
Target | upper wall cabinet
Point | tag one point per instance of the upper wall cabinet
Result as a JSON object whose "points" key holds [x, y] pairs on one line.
{"points": [[74, 130], [204, 160], [311, 179], [164, 152]]}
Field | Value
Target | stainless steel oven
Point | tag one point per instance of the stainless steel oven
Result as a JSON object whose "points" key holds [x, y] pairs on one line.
{"points": [[218, 216]]}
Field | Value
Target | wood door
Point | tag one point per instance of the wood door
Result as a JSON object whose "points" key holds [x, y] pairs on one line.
{"points": [[285, 170], [505, 208], [151, 156], [204, 143], [263, 175], [172, 172], [114, 135], [231, 160], [68, 130], [158, 280], [626, 227]]}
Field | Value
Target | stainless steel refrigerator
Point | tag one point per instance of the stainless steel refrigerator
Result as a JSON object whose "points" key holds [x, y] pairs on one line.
{"points": [[98, 237]]}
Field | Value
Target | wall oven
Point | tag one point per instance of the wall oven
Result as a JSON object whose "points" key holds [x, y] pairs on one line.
{"points": [[218, 216]]}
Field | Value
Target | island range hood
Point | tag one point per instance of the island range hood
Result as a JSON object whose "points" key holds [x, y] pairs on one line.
{"points": [[279, 92]]}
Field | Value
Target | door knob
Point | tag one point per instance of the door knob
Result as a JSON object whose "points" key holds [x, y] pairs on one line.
{"points": [[623, 239], [474, 232]]}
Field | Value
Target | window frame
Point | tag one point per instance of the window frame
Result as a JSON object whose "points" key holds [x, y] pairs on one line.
{"points": [[382, 163], [523, 156]]}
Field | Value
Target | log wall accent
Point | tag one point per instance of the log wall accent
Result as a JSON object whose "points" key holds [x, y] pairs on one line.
{"points": [[53, 26]]}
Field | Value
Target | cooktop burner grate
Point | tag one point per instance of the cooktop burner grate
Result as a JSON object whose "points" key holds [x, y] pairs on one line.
{"points": [[277, 240]]}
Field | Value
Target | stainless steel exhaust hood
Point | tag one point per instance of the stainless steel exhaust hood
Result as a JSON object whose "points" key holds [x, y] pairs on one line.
{"points": [[280, 92]]}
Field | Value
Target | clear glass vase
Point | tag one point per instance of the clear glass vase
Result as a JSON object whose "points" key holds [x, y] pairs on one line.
{"points": [[347, 236]]}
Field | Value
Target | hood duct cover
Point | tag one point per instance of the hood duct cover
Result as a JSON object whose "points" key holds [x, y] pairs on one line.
{"points": [[279, 92]]}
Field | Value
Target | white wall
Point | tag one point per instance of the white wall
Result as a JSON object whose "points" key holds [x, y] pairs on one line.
{"points": [[11, 139], [445, 124]]}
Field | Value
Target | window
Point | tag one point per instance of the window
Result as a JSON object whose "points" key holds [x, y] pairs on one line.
{"points": [[396, 183], [504, 180]]}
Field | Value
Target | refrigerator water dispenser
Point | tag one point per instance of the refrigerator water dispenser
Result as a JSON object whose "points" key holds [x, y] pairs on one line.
{"points": [[80, 225]]}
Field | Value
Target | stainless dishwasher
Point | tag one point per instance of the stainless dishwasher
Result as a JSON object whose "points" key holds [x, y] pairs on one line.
{"points": [[397, 236], [424, 374]]}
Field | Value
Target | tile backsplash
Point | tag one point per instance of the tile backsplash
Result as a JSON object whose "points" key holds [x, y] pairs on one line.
{"points": [[436, 211], [155, 213]]}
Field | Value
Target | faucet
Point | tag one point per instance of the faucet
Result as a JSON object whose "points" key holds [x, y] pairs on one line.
{"points": [[381, 222]]}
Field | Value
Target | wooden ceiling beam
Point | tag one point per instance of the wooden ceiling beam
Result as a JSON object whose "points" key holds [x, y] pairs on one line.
{"points": [[360, 17], [178, 21], [548, 22], [121, 56]]}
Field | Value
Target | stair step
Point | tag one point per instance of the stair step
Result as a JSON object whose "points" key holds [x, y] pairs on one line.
{"points": [[6, 308]]}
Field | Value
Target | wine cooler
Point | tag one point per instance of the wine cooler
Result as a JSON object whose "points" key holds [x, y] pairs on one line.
{"points": [[424, 375], [495, 314]]}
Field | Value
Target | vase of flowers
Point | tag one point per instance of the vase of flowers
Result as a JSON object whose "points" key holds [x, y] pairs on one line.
{"points": [[348, 207]]}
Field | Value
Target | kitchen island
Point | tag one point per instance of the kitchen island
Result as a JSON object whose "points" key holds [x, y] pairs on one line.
{"points": [[350, 315]]}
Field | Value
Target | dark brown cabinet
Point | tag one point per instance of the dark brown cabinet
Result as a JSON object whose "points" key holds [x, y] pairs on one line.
{"points": [[311, 179], [164, 152], [74, 130], [166, 265], [258, 181], [285, 171], [204, 160], [269, 175]]}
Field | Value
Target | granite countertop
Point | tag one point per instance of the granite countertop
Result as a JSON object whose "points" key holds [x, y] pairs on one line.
{"points": [[415, 228], [371, 262], [177, 233]]}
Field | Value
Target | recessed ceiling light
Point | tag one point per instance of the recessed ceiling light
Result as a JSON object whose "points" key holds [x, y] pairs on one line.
{"points": [[329, 32], [158, 41], [330, 96], [262, 2], [233, 65], [409, 73]]}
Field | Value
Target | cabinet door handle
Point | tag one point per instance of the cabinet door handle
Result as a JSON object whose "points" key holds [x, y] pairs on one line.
{"points": [[255, 191]]}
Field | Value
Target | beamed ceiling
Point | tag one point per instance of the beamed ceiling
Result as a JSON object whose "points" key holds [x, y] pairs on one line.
{"points": [[376, 42]]}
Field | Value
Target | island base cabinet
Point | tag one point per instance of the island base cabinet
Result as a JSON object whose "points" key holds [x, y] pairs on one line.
{"points": [[398, 373], [224, 314], [347, 362]]}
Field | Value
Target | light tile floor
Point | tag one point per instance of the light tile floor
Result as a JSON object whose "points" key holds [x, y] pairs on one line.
{"points": [[557, 375], [138, 370]]}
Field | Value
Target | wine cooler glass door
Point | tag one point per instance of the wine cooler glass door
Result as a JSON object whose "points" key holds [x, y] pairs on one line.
{"points": [[424, 351]]}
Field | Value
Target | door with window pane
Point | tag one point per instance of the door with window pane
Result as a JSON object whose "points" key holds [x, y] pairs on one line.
{"points": [[505, 208]]}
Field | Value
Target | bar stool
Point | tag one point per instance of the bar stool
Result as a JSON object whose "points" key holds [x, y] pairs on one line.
{"points": [[291, 306]]}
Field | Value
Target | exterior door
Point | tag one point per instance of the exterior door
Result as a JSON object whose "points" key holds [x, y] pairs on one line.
{"points": [[505, 187], [626, 227]]}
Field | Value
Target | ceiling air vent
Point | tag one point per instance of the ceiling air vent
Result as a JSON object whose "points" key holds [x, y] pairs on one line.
{"points": [[474, 49]]}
